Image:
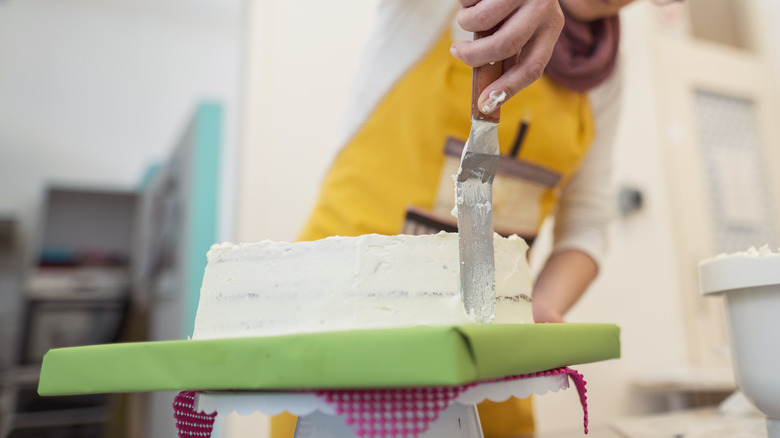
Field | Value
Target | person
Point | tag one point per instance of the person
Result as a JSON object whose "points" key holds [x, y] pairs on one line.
{"points": [[409, 117]]}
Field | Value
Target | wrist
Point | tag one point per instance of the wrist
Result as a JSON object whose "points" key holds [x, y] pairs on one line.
{"points": [[544, 312]]}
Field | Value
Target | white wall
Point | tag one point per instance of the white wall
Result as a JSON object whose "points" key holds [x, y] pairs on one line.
{"points": [[94, 91], [768, 13], [300, 57]]}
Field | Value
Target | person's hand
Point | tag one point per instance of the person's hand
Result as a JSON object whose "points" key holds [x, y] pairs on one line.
{"points": [[525, 41], [544, 312], [562, 281]]}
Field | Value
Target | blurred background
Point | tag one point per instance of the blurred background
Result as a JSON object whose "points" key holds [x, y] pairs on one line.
{"points": [[136, 133]]}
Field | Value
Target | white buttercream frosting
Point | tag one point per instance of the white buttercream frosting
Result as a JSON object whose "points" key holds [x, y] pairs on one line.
{"points": [[494, 98], [754, 267], [764, 251], [346, 283]]}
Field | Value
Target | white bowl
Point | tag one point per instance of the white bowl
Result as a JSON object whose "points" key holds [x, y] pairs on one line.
{"points": [[750, 284]]}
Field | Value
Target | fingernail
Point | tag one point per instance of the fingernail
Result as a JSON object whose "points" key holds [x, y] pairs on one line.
{"points": [[495, 98], [454, 52]]}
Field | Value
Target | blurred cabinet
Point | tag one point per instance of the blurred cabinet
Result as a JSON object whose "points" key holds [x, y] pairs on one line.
{"points": [[78, 291], [10, 288]]}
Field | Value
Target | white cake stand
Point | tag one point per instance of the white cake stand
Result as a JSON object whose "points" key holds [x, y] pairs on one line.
{"points": [[318, 419]]}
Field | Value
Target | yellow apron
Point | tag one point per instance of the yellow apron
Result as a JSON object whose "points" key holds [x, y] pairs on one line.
{"points": [[395, 174]]}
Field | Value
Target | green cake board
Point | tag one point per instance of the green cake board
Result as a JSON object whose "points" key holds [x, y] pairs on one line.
{"points": [[408, 357]]}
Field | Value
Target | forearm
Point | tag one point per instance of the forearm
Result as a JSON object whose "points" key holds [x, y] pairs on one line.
{"points": [[563, 280], [583, 215]]}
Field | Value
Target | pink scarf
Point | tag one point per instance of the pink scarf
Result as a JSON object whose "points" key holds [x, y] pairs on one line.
{"points": [[585, 53]]}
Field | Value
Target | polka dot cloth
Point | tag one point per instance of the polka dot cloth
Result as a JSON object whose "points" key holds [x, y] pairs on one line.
{"points": [[391, 412], [388, 413], [189, 423]]}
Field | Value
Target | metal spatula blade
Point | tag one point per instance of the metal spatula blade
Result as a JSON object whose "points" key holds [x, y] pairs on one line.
{"points": [[474, 198]]}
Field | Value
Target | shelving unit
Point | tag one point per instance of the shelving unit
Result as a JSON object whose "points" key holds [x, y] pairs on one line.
{"points": [[10, 270], [78, 291], [10, 267]]}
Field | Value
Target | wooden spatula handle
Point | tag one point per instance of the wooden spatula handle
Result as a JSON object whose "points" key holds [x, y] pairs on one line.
{"points": [[481, 78]]}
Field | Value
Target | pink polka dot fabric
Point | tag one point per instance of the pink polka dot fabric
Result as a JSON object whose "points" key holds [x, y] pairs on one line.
{"points": [[391, 412], [372, 413], [191, 424], [407, 413]]}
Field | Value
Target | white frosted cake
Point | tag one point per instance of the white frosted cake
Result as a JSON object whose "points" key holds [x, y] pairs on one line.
{"points": [[347, 283]]}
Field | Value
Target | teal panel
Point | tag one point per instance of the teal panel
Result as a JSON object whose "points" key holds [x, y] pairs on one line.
{"points": [[202, 204], [150, 174]]}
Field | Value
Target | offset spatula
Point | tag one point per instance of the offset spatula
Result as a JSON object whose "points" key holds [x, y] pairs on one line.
{"points": [[474, 200]]}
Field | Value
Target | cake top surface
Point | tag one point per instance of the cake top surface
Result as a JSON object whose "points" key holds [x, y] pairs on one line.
{"points": [[764, 251], [225, 248]]}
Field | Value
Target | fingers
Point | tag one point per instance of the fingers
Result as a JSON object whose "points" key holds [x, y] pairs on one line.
{"points": [[515, 33], [526, 70], [508, 41], [485, 14], [524, 42]]}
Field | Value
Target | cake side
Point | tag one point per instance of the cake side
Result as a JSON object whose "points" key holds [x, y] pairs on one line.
{"points": [[513, 281], [345, 283]]}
